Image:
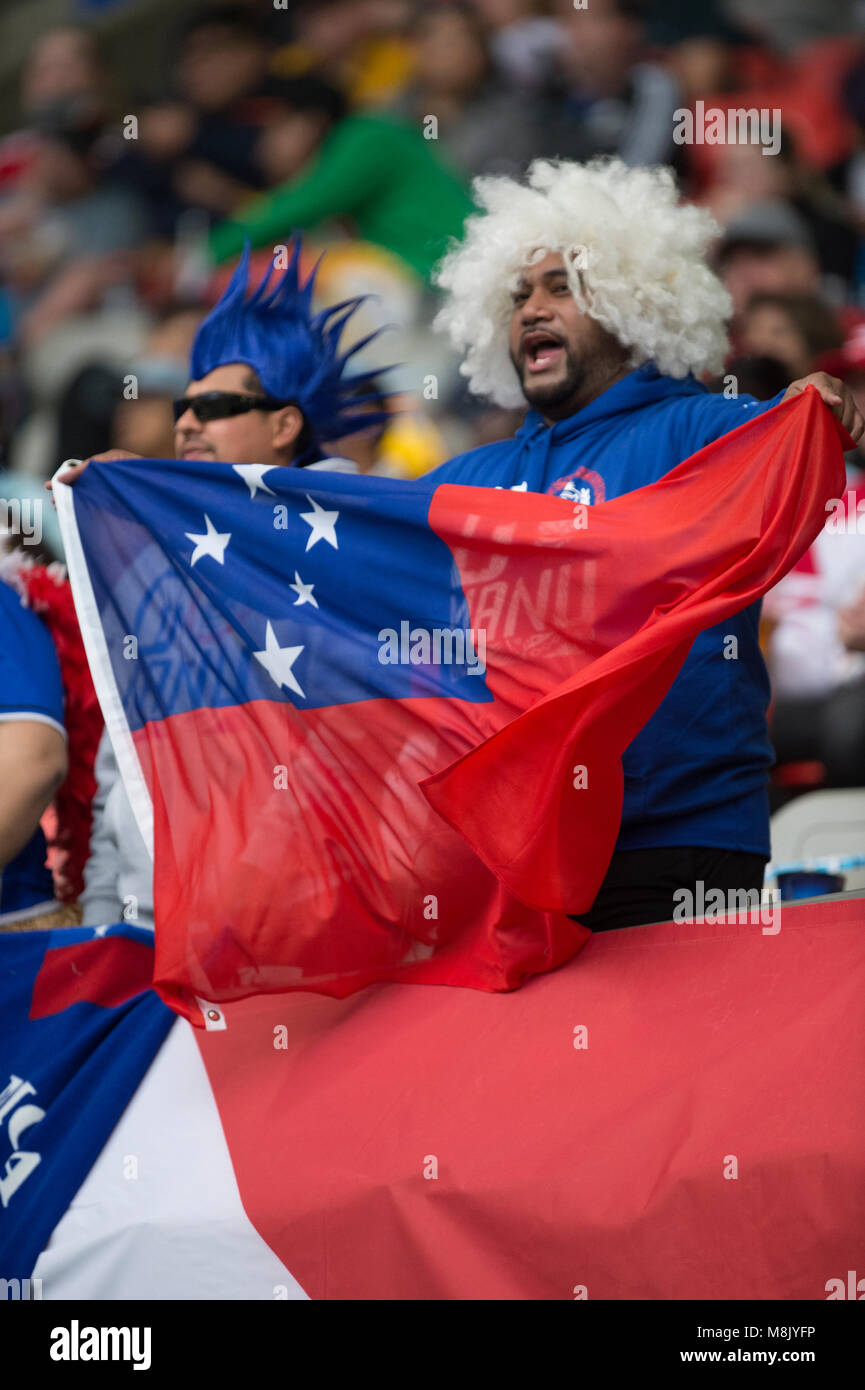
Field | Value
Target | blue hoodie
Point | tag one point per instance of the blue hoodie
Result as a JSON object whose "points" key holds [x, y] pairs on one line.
{"points": [[697, 772]]}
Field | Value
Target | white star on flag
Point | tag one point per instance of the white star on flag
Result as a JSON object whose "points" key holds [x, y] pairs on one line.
{"points": [[212, 543], [303, 591], [323, 525], [278, 661], [252, 473]]}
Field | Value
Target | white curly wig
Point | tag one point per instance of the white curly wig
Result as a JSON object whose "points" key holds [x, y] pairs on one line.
{"points": [[635, 258]]}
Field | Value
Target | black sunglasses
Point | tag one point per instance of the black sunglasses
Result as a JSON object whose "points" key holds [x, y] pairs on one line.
{"points": [[220, 405]]}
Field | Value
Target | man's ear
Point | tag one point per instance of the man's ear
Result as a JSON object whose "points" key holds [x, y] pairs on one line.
{"points": [[286, 426]]}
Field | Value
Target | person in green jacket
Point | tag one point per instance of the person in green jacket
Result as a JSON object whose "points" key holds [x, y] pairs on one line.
{"points": [[374, 171]]}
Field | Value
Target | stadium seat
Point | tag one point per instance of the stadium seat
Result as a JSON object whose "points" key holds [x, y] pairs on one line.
{"points": [[819, 825]]}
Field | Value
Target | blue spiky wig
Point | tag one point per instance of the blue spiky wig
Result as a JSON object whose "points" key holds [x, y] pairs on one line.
{"points": [[294, 353]]}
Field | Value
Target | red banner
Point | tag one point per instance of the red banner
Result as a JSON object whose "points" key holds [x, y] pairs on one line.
{"points": [[677, 1114]]}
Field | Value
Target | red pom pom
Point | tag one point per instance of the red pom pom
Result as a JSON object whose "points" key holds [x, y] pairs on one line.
{"points": [[48, 594]]}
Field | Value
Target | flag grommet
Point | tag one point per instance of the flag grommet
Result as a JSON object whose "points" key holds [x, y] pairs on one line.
{"points": [[214, 1018]]}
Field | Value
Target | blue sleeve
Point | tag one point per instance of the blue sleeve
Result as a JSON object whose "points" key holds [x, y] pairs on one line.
{"points": [[29, 670], [721, 414], [503, 459], [460, 469]]}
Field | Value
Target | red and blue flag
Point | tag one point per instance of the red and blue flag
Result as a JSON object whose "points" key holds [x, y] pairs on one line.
{"points": [[372, 729]]}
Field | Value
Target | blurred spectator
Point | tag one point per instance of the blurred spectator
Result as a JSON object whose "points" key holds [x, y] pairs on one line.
{"points": [[768, 248], [742, 175], [68, 236], [816, 655], [144, 423], [86, 408], [746, 178], [116, 405], [609, 98], [793, 328], [701, 42], [358, 45], [480, 127], [523, 41], [816, 621], [222, 58], [63, 64], [196, 148], [801, 96], [374, 171], [302, 112]]}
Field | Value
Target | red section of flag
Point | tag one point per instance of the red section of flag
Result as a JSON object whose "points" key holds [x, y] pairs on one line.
{"points": [[659, 565], [259, 889], [676, 1116], [106, 971]]}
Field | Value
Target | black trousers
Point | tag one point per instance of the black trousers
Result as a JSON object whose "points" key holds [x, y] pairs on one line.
{"points": [[640, 883]]}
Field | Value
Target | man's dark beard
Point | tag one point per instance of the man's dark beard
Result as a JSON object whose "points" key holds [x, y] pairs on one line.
{"points": [[553, 394]]}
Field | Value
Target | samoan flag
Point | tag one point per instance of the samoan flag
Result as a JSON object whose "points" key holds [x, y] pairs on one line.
{"points": [[372, 729], [79, 1028]]}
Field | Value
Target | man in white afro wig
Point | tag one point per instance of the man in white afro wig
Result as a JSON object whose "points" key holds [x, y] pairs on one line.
{"points": [[633, 261], [585, 294]]}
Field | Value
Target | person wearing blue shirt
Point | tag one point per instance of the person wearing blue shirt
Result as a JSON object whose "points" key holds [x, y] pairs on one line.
{"points": [[33, 759], [587, 296]]}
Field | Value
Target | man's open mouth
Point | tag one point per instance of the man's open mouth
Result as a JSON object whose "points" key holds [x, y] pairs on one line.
{"points": [[541, 350]]}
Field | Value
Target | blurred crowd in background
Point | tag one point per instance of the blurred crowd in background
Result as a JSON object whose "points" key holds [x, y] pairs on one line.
{"points": [[128, 182]]}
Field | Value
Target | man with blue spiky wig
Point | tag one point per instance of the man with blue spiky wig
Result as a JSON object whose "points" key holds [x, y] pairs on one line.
{"points": [[269, 384]]}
